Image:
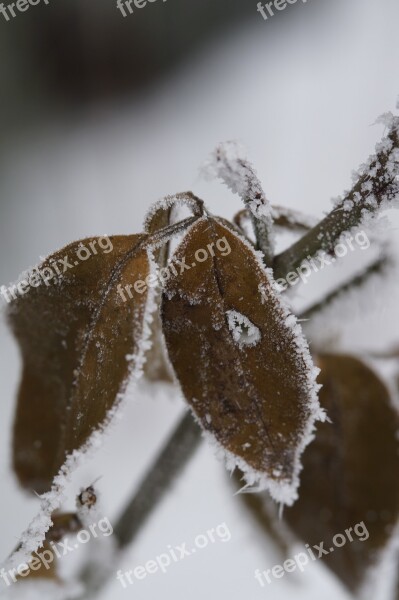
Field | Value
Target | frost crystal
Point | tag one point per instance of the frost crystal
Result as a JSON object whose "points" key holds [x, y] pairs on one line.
{"points": [[243, 331]]}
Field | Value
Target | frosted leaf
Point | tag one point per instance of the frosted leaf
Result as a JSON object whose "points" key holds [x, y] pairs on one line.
{"points": [[68, 389], [257, 401], [70, 392]]}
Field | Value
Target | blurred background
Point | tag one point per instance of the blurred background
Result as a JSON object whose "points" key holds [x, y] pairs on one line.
{"points": [[101, 115]]}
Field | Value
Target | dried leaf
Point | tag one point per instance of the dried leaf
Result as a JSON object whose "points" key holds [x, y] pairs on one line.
{"points": [[75, 335], [350, 470], [240, 357]]}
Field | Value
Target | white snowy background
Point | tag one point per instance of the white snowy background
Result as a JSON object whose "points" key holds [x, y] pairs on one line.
{"points": [[302, 96]]}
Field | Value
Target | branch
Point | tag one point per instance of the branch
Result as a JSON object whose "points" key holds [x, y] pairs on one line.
{"points": [[239, 176], [169, 464], [376, 267], [376, 187]]}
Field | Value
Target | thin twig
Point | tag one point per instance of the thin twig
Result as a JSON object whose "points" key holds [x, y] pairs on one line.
{"points": [[239, 175], [376, 267], [168, 465]]}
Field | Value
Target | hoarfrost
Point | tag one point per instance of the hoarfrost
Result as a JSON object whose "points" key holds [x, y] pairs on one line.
{"points": [[243, 331]]}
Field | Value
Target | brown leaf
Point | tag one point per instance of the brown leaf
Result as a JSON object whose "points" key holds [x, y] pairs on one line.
{"points": [[242, 362], [350, 470], [75, 334]]}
